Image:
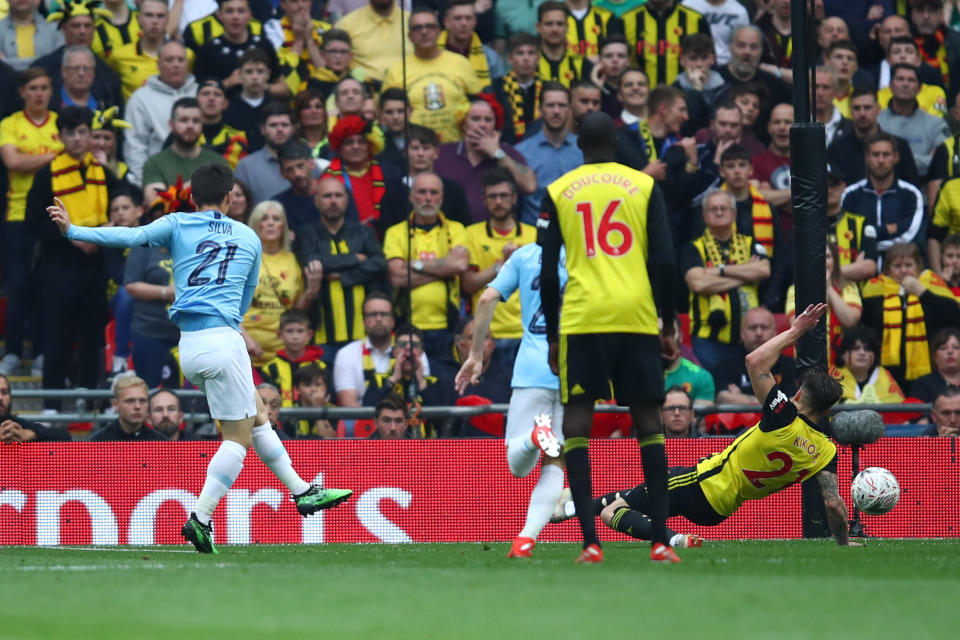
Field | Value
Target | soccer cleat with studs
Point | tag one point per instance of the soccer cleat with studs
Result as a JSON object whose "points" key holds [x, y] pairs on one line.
{"points": [[543, 436], [201, 535], [663, 553], [316, 499], [560, 511], [592, 554], [522, 547], [689, 541]]}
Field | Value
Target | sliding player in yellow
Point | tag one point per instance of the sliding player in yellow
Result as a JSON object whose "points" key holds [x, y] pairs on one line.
{"points": [[785, 447]]}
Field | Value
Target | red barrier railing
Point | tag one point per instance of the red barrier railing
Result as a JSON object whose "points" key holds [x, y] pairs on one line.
{"points": [[405, 491]]}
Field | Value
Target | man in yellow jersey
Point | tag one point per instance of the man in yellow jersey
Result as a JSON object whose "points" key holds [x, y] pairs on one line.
{"points": [[438, 82], [110, 33], [490, 244], [377, 36], [428, 285], [29, 141], [556, 62], [785, 447], [613, 222]]}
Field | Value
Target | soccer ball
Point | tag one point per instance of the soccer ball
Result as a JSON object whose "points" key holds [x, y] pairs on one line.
{"points": [[875, 491]]}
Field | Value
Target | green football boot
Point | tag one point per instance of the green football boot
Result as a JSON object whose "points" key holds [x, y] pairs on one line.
{"points": [[316, 499], [201, 535]]}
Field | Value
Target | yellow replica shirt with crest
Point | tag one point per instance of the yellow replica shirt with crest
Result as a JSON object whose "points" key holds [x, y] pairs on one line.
{"points": [[784, 447], [931, 99], [430, 302], [602, 214], [108, 36], [486, 249], [29, 137], [134, 66], [437, 89]]}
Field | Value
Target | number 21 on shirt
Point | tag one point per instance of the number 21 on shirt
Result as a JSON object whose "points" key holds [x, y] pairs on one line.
{"points": [[595, 234]]}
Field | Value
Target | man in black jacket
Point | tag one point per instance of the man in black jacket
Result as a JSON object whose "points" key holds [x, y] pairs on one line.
{"points": [[352, 263], [131, 403], [73, 276], [14, 429]]}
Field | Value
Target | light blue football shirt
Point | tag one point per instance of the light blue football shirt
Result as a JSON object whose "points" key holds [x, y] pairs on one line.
{"points": [[522, 272], [216, 263]]}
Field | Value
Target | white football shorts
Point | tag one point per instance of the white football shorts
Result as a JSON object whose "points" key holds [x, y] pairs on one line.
{"points": [[217, 362], [525, 403]]}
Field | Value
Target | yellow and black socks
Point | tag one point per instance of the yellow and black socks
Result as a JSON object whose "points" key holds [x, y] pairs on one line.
{"points": [[578, 472], [653, 456]]}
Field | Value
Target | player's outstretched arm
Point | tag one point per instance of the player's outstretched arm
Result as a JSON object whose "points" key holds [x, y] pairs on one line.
{"points": [[761, 360], [483, 315], [836, 509], [155, 234]]}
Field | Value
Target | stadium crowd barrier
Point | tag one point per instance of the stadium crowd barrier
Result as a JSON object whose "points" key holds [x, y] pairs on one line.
{"points": [[405, 491]]}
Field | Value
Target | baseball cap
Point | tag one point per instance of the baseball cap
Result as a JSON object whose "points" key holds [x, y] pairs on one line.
{"points": [[834, 174]]}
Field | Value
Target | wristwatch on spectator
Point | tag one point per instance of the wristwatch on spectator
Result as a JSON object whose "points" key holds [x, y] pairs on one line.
{"points": [[499, 155], [417, 265]]}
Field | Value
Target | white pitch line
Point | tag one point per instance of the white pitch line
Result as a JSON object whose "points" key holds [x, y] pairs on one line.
{"points": [[121, 567]]}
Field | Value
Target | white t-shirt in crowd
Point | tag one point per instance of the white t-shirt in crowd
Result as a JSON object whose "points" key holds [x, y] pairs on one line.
{"points": [[724, 17]]}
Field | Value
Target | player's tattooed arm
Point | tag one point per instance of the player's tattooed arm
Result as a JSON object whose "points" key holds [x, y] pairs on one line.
{"points": [[836, 509]]}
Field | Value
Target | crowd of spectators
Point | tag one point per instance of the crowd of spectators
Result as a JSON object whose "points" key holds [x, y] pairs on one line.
{"points": [[387, 191]]}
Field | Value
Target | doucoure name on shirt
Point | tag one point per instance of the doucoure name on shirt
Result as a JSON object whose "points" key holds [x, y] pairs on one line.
{"points": [[220, 227], [605, 177]]}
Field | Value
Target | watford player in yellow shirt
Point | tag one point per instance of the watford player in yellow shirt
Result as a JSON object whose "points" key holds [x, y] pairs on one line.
{"points": [[613, 222], [783, 448]]}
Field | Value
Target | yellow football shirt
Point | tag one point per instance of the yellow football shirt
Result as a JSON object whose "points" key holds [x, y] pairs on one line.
{"points": [[377, 40], [931, 99], [437, 89], [783, 448], [25, 34], [134, 66], [429, 301], [486, 248], [279, 286], [946, 211], [602, 214], [34, 138], [108, 36]]}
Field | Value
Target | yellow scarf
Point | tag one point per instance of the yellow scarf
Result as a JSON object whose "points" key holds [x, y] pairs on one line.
{"points": [[647, 136], [904, 326], [738, 252], [880, 388], [476, 56], [512, 88], [762, 219], [85, 196]]}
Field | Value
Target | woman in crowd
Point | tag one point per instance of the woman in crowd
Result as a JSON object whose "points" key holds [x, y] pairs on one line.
{"points": [[945, 354], [844, 306], [905, 305], [240, 203], [864, 381], [311, 118], [282, 285]]}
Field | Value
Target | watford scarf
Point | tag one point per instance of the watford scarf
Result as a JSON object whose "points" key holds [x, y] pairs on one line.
{"points": [[379, 187], [935, 57], [476, 56], [762, 219], [288, 37], [714, 311], [512, 88], [583, 37], [369, 368], [648, 143], [566, 71], [904, 325], [84, 193]]}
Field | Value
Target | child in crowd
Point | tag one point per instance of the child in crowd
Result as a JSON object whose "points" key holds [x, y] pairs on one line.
{"points": [[125, 211], [296, 334], [311, 390]]}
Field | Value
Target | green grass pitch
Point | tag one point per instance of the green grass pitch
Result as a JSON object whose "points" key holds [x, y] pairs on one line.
{"points": [[744, 589]]}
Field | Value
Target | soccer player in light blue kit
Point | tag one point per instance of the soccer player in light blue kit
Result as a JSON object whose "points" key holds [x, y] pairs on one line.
{"points": [[535, 416], [216, 265]]}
